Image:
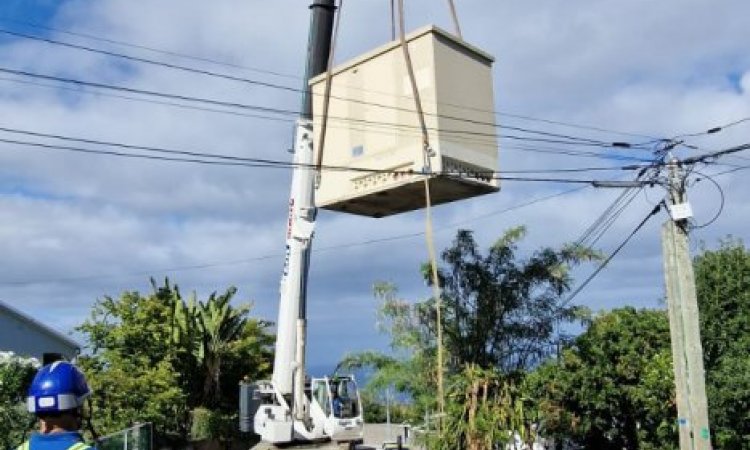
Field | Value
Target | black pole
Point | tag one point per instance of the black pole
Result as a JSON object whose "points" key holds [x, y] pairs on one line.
{"points": [[318, 47]]}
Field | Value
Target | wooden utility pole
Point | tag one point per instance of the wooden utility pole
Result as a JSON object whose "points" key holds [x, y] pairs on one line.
{"points": [[684, 325]]}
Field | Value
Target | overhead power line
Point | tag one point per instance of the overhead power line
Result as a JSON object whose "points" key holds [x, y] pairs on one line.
{"points": [[298, 90], [721, 201], [149, 48], [276, 73], [371, 129], [362, 127], [261, 162], [713, 130], [20, 283], [725, 172], [609, 258], [197, 158], [715, 155], [287, 112]]}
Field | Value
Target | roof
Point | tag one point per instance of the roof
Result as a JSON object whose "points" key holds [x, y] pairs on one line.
{"points": [[9, 310], [429, 29]]}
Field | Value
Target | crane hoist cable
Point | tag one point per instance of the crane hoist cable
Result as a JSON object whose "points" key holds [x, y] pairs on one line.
{"points": [[428, 211]]}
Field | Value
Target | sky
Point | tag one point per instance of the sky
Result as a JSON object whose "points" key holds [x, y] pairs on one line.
{"points": [[77, 227]]}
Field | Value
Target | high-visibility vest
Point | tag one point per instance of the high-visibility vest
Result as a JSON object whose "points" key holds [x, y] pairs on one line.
{"points": [[76, 446]]}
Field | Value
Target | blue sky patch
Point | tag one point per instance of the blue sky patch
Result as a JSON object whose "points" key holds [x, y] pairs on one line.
{"points": [[37, 11], [734, 80]]}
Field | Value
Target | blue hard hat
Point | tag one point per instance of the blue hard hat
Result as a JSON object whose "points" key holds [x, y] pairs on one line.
{"points": [[57, 387]]}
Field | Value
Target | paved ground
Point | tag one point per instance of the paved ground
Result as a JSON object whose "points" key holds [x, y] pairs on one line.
{"points": [[375, 435]]}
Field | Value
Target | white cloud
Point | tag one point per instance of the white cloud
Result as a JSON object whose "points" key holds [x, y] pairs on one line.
{"points": [[650, 68]]}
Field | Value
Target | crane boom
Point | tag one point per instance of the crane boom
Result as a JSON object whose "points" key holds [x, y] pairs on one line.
{"points": [[287, 408], [299, 234]]}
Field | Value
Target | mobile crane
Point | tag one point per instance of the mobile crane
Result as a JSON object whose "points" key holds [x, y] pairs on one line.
{"points": [[290, 408]]}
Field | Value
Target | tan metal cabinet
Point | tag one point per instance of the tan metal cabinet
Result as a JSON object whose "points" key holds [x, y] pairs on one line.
{"points": [[372, 124]]}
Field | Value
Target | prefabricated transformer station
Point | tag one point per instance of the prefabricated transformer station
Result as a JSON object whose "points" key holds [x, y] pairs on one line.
{"points": [[373, 126]]}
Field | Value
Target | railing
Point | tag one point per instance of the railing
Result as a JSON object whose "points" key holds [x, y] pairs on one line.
{"points": [[137, 437]]}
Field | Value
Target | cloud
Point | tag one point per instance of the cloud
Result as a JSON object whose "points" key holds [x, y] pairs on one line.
{"points": [[76, 227]]}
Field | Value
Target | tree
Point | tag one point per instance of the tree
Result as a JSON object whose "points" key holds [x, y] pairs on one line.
{"points": [[16, 374], [144, 352], [500, 311], [723, 288], [613, 387], [485, 409], [210, 330], [132, 364], [500, 315]]}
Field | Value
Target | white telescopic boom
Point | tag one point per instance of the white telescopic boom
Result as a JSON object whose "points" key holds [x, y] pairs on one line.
{"points": [[299, 233]]}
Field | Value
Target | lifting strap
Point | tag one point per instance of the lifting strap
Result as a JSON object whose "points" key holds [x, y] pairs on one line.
{"points": [[428, 212], [452, 7]]}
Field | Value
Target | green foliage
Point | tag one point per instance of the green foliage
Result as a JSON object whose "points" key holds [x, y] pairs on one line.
{"points": [[613, 387], [129, 390], [723, 288], [210, 424], [156, 358], [212, 332], [377, 408], [499, 318], [133, 366], [16, 374], [500, 310], [484, 410]]}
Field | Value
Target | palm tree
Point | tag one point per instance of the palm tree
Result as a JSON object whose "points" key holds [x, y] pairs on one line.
{"points": [[210, 328], [218, 326]]}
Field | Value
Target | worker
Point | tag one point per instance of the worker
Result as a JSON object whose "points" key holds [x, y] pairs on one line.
{"points": [[337, 403], [56, 397]]}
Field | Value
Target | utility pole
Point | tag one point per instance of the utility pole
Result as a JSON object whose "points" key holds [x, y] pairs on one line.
{"points": [[684, 324]]}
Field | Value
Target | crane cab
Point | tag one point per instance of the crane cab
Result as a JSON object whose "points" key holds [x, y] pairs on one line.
{"points": [[336, 403]]}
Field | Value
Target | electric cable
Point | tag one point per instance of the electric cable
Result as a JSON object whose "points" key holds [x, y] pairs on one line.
{"points": [[148, 48], [713, 130], [725, 172], [291, 89], [371, 129], [344, 246], [609, 258], [714, 155], [452, 225], [287, 112], [275, 73], [280, 165], [577, 153], [259, 162], [721, 202], [596, 224], [606, 219], [611, 220]]}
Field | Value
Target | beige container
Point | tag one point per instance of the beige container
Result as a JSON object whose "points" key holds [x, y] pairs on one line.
{"points": [[372, 124]]}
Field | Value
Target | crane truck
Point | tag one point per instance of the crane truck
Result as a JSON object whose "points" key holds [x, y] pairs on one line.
{"points": [[291, 407]]}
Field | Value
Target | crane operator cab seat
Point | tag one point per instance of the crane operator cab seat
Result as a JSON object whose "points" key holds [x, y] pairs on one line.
{"points": [[345, 403]]}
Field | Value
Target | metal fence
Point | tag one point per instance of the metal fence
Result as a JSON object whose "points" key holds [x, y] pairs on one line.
{"points": [[137, 437]]}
